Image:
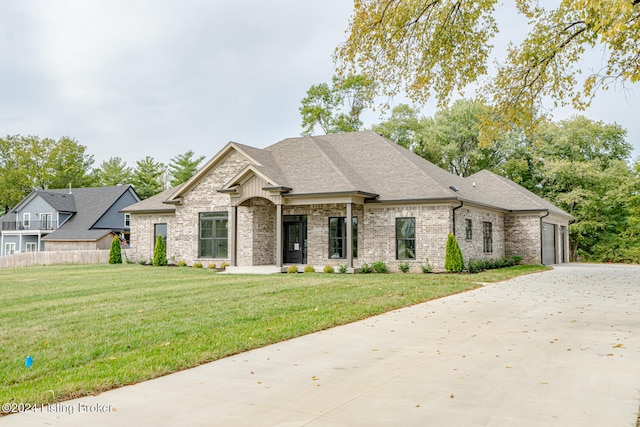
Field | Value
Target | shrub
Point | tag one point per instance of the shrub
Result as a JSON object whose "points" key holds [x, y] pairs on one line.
{"points": [[404, 267], [427, 267], [516, 259], [328, 269], [474, 266], [309, 269], [453, 261], [365, 269], [160, 252], [380, 267], [342, 268], [292, 269], [211, 265], [224, 265], [115, 254], [181, 264], [197, 265]]}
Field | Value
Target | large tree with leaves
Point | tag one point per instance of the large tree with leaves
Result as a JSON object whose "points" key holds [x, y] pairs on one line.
{"points": [[183, 166], [148, 177], [427, 48], [336, 108], [113, 171], [30, 163]]}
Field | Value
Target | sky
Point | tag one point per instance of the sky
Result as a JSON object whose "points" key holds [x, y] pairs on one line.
{"points": [[136, 78]]}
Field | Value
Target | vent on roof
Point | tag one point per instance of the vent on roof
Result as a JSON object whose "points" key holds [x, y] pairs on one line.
{"points": [[454, 188]]}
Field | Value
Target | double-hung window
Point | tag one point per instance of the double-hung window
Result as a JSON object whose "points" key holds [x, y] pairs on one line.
{"points": [[214, 236], [468, 232], [487, 238], [26, 220], [338, 237], [405, 238]]}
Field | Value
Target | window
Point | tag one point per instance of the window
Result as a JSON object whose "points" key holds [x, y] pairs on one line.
{"points": [[467, 229], [9, 248], [338, 237], [159, 229], [31, 246], [213, 240], [26, 220], [45, 221], [405, 238], [127, 220], [487, 240]]}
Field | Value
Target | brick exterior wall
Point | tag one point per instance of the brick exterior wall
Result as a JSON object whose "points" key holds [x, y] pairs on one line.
{"points": [[142, 235], [523, 237], [256, 233], [474, 248]]}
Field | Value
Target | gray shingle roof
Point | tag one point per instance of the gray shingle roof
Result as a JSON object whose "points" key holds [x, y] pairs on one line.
{"points": [[91, 204], [154, 204]]}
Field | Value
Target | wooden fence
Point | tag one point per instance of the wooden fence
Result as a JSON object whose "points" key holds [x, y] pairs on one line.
{"points": [[27, 259]]}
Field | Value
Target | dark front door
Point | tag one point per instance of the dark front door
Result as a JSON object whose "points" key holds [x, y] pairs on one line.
{"points": [[295, 241]]}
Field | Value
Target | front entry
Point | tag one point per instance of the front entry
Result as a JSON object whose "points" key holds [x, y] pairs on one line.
{"points": [[295, 239]]}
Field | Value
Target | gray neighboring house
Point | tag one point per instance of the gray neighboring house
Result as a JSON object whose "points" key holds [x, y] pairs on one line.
{"points": [[340, 199], [67, 219]]}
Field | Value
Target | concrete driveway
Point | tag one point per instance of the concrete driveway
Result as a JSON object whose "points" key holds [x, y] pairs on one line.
{"points": [[559, 348]]}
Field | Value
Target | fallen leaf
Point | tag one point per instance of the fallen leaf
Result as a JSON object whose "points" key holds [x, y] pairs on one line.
{"points": [[619, 345], [543, 382], [452, 396], [314, 378]]}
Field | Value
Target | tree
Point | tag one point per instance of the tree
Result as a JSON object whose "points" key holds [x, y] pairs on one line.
{"points": [[183, 166], [160, 252], [113, 171], [147, 177], [29, 163], [453, 261], [337, 108], [438, 48], [404, 127], [115, 253]]}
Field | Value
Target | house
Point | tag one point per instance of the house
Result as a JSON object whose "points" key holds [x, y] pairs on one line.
{"points": [[340, 199], [67, 219]]}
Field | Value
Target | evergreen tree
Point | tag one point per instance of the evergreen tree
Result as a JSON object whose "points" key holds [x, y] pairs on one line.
{"points": [[115, 254], [160, 252], [453, 261]]}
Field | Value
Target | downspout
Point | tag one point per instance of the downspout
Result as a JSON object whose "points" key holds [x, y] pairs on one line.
{"points": [[454, 216], [541, 242]]}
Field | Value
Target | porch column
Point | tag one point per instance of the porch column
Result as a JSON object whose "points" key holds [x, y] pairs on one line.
{"points": [[233, 226], [278, 235], [349, 235]]}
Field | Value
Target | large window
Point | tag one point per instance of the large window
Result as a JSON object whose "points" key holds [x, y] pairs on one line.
{"points": [[26, 220], [468, 232], [487, 239], [46, 222], [214, 235], [338, 237], [31, 246], [405, 238], [9, 248], [159, 229]]}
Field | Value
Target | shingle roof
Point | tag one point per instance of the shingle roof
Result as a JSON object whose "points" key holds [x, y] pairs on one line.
{"points": [[154, 204], [91, 204], [364, 163]]}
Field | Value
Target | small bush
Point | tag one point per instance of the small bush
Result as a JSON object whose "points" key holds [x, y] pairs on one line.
{"points": [[453, 261], [404, 267], [309, 269], [342, 268], [328, 269], [365, 269], [380, 267], [478, 265], [160, 252], [427, 267], [211, 265], [474, 266], [115, 253], [293, 269], [181, 264], [197, 265], [224, 265]]}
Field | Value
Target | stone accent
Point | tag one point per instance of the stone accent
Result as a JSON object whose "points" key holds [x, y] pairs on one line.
{"points": [[142, 235], [522, 237], [256, 233]]}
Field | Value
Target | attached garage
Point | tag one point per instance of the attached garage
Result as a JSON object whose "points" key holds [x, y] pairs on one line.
{"points": [[548, 243]]}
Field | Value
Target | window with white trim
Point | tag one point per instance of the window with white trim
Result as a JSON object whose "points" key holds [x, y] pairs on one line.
{"points": [[9, 248], [26, 220]]}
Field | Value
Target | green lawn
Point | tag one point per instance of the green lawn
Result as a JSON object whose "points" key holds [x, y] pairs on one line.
{"points": [[94, 328]]}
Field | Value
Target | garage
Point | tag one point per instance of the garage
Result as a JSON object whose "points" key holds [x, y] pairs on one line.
{"points": [[548, 244]]}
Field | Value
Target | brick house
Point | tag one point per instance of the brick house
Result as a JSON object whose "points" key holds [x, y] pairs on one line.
{"points": [[349, 199]]}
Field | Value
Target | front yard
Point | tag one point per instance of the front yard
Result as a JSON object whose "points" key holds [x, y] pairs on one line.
{"points": [[94, 328]]}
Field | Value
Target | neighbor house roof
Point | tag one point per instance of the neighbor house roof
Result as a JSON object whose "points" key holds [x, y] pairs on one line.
{"points": [[90, 205], [363, 163]]}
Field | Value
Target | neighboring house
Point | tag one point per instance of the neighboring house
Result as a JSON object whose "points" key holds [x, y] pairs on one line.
{"points": [[349, 199], [67, 219]]}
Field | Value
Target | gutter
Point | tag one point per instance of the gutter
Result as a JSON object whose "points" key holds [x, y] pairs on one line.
{"points": [[541, 242], [454, 216]]}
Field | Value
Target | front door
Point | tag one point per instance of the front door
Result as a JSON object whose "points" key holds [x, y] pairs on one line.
{"points": [[295, 240]]}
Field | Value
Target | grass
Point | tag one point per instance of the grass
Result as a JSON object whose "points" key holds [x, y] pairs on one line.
{"points": [[94, 328]]}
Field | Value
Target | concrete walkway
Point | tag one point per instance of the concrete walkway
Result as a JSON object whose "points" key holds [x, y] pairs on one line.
{"points": [[560, 348]]}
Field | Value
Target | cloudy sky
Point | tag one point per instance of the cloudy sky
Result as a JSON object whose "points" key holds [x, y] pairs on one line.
{"points": [[132, 78]]}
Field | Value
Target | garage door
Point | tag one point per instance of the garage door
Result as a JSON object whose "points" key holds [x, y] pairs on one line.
{"points": [[548, 244]]}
